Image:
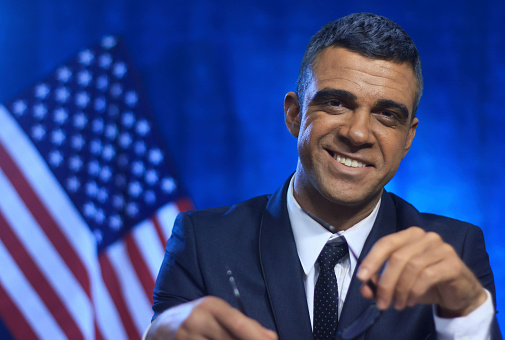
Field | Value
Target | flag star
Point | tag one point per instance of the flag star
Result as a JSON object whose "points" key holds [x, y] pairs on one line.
{"points": [[58, 137], [132, 209], [97, 125], [99, 216], [86, 57], [82, 99], [19, 107], [41, 91], [105, 174], [91, 189], [150, 197], [140, 148], [55, 158], [151, 177], [115, 222], [100, 104], [143, 127], [105, 61], [135, 189], [95, 147], [131, 98], [39, 111], [60, 115], [98, 235], [75, 163], [77, 142], [73, 184], [155, 156], [109, 42], [118, 202], [138, 168], [38, 132], [168, 185], [84, 77], [119, 69], [125, 140], [111, 131], [62, 94], [102, 83], [89, 209], [80, 120], [102, 195], [108, 152], [116, 90], [64, 74], [94, 168], [128, 119]]}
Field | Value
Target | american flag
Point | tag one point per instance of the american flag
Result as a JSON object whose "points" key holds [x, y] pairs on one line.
{"points": [[87, 202]]}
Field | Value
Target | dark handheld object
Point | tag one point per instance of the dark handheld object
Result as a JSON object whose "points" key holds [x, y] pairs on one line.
{"points": [[370, 315], [235, 290]]}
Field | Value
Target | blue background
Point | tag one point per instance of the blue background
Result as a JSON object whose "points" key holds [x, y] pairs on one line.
{"points": [[215, 73]]}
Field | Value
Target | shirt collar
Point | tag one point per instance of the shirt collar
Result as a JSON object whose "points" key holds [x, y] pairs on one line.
{"points": [[310, 236]]}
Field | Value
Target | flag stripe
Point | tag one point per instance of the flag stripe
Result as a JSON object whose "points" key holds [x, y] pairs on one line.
{"points": [[140, 267], [148, 243], [137, 303], [11, 315], [24, 227], [159, 231], [45, 220], [37, 280], [114, 288]]}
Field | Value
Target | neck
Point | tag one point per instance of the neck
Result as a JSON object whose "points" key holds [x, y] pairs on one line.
{"points": [[340, 215]]}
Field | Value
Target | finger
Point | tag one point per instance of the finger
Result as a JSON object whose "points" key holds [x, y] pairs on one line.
{"points": [[239, 326], [383, 248], [403, 267]]}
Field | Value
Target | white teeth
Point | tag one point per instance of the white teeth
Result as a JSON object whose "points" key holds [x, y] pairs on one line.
{"points": [[349, 162]]}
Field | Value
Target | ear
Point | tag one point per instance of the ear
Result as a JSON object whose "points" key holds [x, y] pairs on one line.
{"points": [[292, 113], [410, 136]]}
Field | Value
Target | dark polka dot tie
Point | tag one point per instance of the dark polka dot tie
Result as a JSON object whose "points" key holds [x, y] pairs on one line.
{"points": [[326, 291]]}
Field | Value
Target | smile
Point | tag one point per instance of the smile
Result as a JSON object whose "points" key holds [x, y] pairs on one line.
{"points": [[349, 161]]}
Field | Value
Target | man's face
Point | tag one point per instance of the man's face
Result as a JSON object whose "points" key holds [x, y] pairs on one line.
{"points": [[356, 128]]}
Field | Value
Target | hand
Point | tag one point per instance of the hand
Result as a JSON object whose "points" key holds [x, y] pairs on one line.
{"points": [[206, 318], [420, 269]]}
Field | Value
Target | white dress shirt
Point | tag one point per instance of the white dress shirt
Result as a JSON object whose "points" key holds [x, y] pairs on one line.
{"points": [[310, 238]]}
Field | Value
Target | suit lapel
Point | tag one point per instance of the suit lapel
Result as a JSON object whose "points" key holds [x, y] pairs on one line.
{"points": [[385, 224], [282, 270]]}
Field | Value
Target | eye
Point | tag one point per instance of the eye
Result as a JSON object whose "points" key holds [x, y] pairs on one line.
{"points": [[334, 103]]}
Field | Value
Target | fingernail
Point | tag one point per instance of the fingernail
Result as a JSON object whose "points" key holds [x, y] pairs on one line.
{"points": [[381, 303], [362, 273]]}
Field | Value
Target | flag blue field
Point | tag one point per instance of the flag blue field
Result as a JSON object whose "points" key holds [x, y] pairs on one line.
{"points": [[88, 199]]}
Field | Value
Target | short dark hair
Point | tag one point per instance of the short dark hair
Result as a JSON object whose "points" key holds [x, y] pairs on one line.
{"points": [[370, 35]]}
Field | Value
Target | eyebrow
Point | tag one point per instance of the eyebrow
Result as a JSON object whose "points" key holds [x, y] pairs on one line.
{"points": [[401, 108], [327, 94]]}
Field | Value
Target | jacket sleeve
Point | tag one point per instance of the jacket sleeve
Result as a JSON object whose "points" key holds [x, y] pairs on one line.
{"points": [[476, 258], [179, 279]]}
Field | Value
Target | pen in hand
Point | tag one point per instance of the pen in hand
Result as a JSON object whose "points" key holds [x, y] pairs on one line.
{"points": [[235, 290]]}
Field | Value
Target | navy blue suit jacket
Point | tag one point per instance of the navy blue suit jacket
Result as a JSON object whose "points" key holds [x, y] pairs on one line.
{"points": [[254, 238]]}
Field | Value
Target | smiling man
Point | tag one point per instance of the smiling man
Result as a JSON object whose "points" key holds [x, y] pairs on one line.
{"points": [[294, 254]]}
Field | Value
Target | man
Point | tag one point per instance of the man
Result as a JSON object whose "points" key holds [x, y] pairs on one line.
{"points": [[354, 117]]}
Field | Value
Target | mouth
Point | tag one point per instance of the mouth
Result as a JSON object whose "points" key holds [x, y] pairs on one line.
{"points": [[347, 161]]}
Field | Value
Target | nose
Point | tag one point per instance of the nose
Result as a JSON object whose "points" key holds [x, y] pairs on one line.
{"points": [[356, 128]]}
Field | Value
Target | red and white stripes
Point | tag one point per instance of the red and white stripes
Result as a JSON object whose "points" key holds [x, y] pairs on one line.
{"points": [[53, 285]]}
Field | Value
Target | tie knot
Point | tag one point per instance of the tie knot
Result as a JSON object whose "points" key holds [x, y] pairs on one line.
{"points": [[331, 254]]}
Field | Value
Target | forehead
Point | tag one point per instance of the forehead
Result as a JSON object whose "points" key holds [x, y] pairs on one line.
{"points": [[337, 67]]}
